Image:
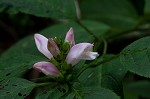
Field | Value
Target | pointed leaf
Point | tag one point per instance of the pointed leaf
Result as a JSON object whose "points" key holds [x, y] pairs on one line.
{"points": [[136, 57]]}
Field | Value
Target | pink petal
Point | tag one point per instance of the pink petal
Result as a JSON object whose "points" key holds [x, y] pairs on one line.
{"points": [[81, 51], [41, 43], [70, 37], [53, 48], [47, 68]]}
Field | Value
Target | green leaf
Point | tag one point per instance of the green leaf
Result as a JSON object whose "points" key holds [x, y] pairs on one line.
{"points": [[57, 9], [70, 96], [116, 13], [19, 58], [52, 94], [147, 7], [16, 88], [98, 93], [113, 73], [140, 88], [91, 77], [136, 57]]}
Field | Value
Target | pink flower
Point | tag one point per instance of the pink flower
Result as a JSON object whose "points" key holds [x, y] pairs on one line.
{"points": [[81, 51], [70, 37], [47, 68], [48, 47], [41, 43]]}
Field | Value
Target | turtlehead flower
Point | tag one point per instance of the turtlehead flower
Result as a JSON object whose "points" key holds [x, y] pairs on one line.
{"points": [[41, 43], [48, 47], [47, 68], [81, 51]]}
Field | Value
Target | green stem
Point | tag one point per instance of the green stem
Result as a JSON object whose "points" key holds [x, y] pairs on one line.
{"points": [[82, 69], [100, 39], [90, 32], [94, 64], [41, 79], [105, 47], [77, 93], [44, 84]]}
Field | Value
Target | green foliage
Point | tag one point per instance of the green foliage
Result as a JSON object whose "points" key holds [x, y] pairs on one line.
{"points": [[147, 7], [116, 13], [16, 88], [52, 94], [48, 8], [91, 77], [19, 58], [101, 21], [141, 88], [113, 73], [97, 92], [60, 30], [136, 57]]}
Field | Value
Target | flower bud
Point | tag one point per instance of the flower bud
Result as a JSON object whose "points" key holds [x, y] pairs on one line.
{"points": [[66, 46], [52, 47], [70, 37]]}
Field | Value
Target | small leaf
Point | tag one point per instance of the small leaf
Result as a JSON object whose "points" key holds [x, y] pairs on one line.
{"points": [[16, 88], [47, 8], [136, 57]]}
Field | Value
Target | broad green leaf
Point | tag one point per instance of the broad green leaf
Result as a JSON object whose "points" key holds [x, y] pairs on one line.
{"points": [[52, 94], [136, 57], [98, 93], [57, 9], [16, 88], [113, 73], [19, 58], [147, 7], [116, 13], [140, 88]]}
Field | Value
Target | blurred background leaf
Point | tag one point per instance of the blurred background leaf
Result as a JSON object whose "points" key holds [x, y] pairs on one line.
{"points": [[139, 88], [120, 14], [57, 9]]}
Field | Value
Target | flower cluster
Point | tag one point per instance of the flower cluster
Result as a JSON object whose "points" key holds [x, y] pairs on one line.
{"points": [[61, 54]]}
